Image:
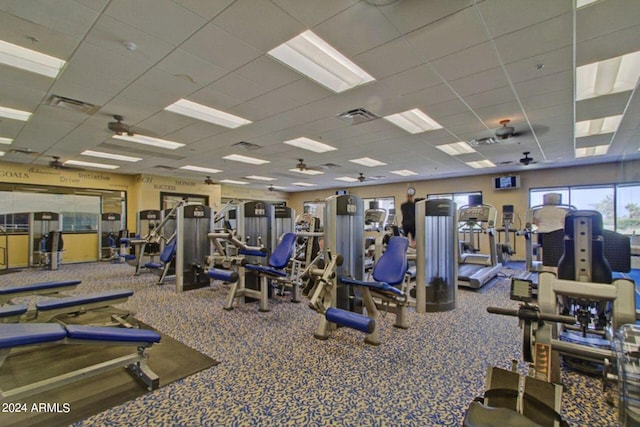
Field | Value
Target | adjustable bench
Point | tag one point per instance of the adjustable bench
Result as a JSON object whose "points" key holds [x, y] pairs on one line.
{"points": [[44, 288], [49, 309], [12, 313], [275, 270], [33, 334]]}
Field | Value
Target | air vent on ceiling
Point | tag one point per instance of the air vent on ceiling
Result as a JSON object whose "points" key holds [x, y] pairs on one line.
{"points": [[376, 177], [169, 168], [357, 116], [28, 151], [507, 162], [246, 145], [71, 104], [329, 166], [483, 141]]}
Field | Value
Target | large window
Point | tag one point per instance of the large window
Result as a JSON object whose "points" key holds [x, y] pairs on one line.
{"points": [[618, 204], [460, 199], [386, 203]]}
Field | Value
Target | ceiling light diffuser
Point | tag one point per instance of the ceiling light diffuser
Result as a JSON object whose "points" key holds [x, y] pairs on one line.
{"points": [[110, 156], [245, 159], [200, 169], [303, 184], [11, 113], [6, 141], [598, 126], [311, 56], [30, 60], [233, 181], [307, 171], [404, 172], [346, 179], [310, 144], [207, 114], [456, 148], [2, 153], [481, 164], [598, 150], [367, 161], [90, 164], [583, 3], [260, 178], [147, 140], [413, 121], [613, 75]]}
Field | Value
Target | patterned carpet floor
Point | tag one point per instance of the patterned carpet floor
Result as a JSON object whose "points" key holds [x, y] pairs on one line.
{"points": [[274, 373]]}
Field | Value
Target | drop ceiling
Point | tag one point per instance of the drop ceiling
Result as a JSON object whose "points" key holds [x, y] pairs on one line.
{"points": [[467, 64]]}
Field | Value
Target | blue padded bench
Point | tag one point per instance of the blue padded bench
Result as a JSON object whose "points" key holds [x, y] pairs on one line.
{"points": [[253, 252], [48, 309], [44, 288], [228, 276], [32, 334], [278, 261], [12, 313]]}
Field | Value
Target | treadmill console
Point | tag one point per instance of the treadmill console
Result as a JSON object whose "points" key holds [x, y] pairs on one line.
{"points": [[522, 290]]}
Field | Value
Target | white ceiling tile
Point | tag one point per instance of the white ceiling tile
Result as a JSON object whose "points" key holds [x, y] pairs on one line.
{"points": [[460, 30], [189, 67], [166, 14], [608, 46], [356, 30], [412, 80], [414, 14], [215, 45], [534, 40], [268, 73], [261, 24], [388, 59], [478, 58], [605, 17], [602, 106], [552, 62], [480, 82], [549, 83], [491, 97], [97, 5], [506, 16], [205, 8], [547, 99], [312, 12]]}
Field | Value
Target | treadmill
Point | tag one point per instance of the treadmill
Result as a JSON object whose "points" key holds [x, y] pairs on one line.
{"points": [[476, 269]]}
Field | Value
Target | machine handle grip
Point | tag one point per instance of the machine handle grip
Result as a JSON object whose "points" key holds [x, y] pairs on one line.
{"points": [[503, 311], [559, 318]]}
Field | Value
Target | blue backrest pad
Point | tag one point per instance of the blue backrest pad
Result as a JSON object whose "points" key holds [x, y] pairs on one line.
{"points": [[169, 251], [392, 265], [281, 254]]}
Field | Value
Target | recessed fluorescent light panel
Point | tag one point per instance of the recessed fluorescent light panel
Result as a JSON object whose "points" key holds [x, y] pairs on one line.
{"points": [[346, 179], [200, 169], [90, 164], [367, 161], [310, 144], [260, 178], [481, 164], [310, 55], [147, 140], [245, 159], [413, 121], [598, 150], [404, 172], [207, 114], [307, 171], [277, 187], [619, 74], [583, 3], [110, 156], [30, 60], [303, 184], [598, 126], [6, 141], [10, 113], [2, 153], [456, 148], [233, 181]]}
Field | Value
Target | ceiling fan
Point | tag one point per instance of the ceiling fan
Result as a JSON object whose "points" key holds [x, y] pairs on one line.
{"points": [[55, 163], [209, 181], [119, 127], [526, 160]]}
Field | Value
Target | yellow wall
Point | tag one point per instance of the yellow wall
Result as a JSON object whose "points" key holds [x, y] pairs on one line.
{"points": [[80, 247]]}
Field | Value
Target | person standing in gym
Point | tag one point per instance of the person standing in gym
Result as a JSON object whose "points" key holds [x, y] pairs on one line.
{"points": [[408, 210]]}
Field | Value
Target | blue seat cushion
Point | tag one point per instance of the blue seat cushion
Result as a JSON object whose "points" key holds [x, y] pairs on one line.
{"points": [[54, 304], [154, 265], [376, 286], [392, 265], [96, 333], [263, 269], [128, 256], [252, 252], [12, 310], [224, 275], [16, 334], [282, 253], [39, 286]]}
